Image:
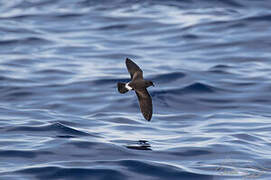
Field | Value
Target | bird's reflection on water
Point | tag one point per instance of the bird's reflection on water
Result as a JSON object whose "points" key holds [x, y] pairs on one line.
{"points": [[140, 145]]}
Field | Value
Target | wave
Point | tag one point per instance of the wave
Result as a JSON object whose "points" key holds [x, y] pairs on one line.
{"points": [[54, 172], [199, 88], [25, 41], [120, 169], [23, 154], [114, 27], [13, 93], [54, 72], [195, 88], [59, 129], [168, 77]]}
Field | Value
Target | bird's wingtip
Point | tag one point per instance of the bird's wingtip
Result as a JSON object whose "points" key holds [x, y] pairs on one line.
{"points": [[128, 59], [148, 117]]}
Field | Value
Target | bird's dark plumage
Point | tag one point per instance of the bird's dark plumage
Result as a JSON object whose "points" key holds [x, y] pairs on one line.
{"points": [[133, 69], [121, 88], [145, 103], [140, 85]]}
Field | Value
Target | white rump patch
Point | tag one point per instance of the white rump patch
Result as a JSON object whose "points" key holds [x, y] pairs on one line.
{"points": [[128, 87]]}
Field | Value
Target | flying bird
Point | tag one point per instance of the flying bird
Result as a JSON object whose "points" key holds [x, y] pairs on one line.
{"points": [[139, 85]]}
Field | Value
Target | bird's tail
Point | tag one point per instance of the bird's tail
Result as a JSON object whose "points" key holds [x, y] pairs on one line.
{"points": [[121, 87]]}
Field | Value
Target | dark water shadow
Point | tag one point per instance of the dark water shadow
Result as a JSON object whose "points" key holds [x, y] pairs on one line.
{"points": [[140, 145]]}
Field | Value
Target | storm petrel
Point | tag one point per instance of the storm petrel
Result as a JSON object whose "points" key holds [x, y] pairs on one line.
{"points": [[139, 85]]}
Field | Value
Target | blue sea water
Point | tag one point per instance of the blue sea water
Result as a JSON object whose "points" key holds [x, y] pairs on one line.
{"points": [[61, 116]]}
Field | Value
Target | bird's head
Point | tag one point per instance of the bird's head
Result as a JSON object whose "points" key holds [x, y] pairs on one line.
{"points": [[149, 83]]}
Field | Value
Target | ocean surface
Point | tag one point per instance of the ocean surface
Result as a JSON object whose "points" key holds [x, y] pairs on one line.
{"points": [[62, 118]]}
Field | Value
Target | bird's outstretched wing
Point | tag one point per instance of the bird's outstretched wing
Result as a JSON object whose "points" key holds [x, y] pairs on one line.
{"points": [[145, 103], [133, 69]]}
